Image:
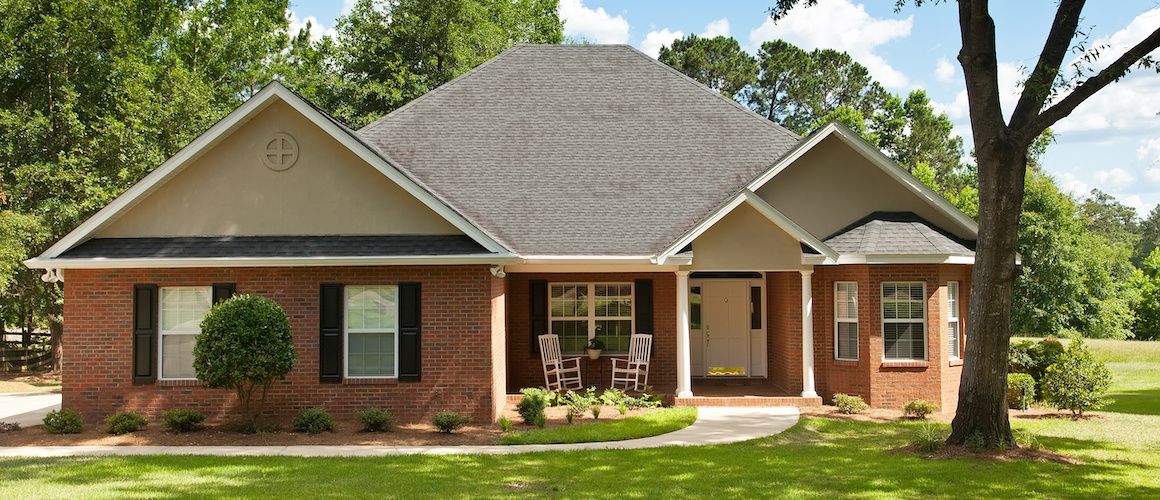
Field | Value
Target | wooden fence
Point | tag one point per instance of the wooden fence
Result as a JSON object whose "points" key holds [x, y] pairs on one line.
{"points": [[16, 358]]}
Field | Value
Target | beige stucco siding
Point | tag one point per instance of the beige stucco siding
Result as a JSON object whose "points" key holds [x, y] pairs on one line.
{"points": [[229, 191], [832, 186], [745, 240]]}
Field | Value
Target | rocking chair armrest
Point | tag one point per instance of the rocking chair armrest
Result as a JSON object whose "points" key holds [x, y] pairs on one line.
{"points": [[570, 360], [618, 361]]}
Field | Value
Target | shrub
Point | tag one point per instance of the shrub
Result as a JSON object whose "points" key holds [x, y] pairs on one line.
{"points": [[532, 405], [245, 345], [612, 397], [64, 421], [541, 420], [849, 404], [1033, 358], [449, 421], [505, 425], [596, 411], [1076, 382], [579, 403], [376, 420], [622, 408], [1020, 391], [929, 438], [182, 420], [9, 426], [313, 420], [124, 422], [919, 408]]}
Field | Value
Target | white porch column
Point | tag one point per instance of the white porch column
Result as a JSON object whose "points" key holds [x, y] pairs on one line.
{"points": [[808, 390], [684, 365]]}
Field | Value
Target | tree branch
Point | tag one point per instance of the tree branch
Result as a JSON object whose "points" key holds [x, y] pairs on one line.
{"points": [[1089, 87], [1038, 86], [980, 68]]}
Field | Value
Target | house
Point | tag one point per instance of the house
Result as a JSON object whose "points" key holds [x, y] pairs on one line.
{"points": [[588, 191]]}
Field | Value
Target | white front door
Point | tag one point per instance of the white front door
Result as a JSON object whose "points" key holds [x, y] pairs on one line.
{"points": [[725, 324]]}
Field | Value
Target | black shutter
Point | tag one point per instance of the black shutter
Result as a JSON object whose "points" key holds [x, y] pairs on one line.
{"points": [[144, 334], [330, 337], [223, 291], [538, 293], [643, 294], [410, 336]]}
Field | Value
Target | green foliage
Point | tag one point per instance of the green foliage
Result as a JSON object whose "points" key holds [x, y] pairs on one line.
{"points": [[579, 402], [532, 405], [1020, 391], [124, 422], [929, 437], [449, 421], [376, 420], [1146, 282], [541, 420], [63, 421], [245, 345], [849, 404], [505, 425], [182, 420], [1033, 358], [919, 408], [612, 397], [717, 62], [313, 420], [596, 409], [1077, 381]]}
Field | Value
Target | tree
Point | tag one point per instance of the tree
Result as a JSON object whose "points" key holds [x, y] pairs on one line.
{"points": [[1106, 216], [245, 345], [1146, 281], [1149, 236], [717, 62], [1076, 381], [1001, 150]]}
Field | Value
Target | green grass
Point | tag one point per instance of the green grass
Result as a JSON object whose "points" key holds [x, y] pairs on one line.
{"points": [[817, 458], [649, 424]]}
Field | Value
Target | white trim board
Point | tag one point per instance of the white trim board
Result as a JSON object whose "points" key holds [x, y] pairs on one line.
{"points": [[103, 263], [222, 129]]}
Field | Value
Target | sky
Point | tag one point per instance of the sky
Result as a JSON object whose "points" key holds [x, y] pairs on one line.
{"points": [[1111, 142]]}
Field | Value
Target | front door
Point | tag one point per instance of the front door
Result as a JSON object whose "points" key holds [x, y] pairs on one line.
{"points": [[725, 320]]}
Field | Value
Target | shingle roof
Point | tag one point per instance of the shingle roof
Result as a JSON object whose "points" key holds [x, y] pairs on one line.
{"points": [[567, 150], [897, 233], [275, 246]]}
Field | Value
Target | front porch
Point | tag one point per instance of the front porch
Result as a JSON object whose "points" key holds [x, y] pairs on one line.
{"points": [[739, 392]]}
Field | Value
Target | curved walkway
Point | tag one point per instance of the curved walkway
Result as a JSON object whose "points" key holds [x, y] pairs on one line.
{"points": [[714, 425]]}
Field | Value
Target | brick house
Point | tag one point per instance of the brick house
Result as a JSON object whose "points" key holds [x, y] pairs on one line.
{"points": [[588, 191]]}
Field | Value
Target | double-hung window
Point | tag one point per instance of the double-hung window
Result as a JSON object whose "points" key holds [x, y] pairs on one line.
{"points": [[846, 320], [953, 329], [371, 330], [181, 311], [904, 321], [580, 312]]}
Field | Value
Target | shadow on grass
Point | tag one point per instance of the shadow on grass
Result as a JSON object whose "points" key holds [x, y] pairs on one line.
{"points": [[1138, 402]]}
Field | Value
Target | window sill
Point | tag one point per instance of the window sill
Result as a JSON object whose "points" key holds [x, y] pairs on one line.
{"points": [[956, 362], [370, 381], [847, 362], [906, 364], [179, 383]]}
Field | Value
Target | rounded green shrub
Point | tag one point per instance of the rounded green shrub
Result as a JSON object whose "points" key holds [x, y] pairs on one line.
{"points": [[376, 420], [313, 420], [63, 421], [1020, 391], [504, 424], [1033, 358], [1077, 381], [182, 420], [849, 404], [919, 408], [449, 421], [532, 405], [124, 422]]}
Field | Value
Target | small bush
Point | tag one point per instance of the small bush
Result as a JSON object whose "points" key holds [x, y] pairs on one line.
{"points": [[1033, 358], [929, 437], [9, 426], [183, 420], [1025, 439], [505, 425], [541, 420], [919, 408], [1077, 382], [449, 421], [1020, 391], [622, 408], [376, 420], [849, 404], [612, 397], [124, 422], [532, 405], [64, 421], [313, 420], [596, 411]]}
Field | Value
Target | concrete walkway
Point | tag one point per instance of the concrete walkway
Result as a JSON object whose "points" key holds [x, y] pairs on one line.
{"points": [[27, 408], [718, 425]]}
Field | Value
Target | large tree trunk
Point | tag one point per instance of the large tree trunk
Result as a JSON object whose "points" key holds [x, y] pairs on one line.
{"points": [[981, 417]]}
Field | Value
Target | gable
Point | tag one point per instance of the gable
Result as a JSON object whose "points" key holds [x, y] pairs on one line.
{"points": [[229, 191], [745, 240], [833, 185]]}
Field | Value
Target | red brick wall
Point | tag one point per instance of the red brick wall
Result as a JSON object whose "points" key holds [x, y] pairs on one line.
{"points": [[952, 371], [783, 295], [834, 376], [524, 366], [457, 343]]}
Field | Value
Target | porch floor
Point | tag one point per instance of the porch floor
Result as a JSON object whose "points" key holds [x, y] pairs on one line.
{"points": [[739, 392]]}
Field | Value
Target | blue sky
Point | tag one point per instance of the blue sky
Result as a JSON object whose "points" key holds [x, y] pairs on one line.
{"points": [[1111, 142]]}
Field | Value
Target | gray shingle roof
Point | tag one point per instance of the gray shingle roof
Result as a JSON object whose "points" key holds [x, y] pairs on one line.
{"points": [[594, 150], [275, 246], [897, 233]]}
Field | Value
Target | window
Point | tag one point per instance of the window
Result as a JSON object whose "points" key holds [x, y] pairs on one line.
{"points": [[582, 311], [904, 321], [953, 319], [181, 311], [371, 331], [846, 320]]}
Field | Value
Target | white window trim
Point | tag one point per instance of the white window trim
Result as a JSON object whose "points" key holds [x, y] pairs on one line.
{"points": [[592, 317], [161, 333], [953, 315], [882, 313], [347, 330], [838, 320]]}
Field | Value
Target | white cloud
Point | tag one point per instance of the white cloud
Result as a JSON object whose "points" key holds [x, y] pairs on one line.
{"points": [[1128, 106], [596, 25], [840, 25], [317, 30], [1153, 174], [944, 71], [347, 6], [1149, 151], [1114, 179], [1073, 184], [719, 27], [1112, 47], [654, 40]]}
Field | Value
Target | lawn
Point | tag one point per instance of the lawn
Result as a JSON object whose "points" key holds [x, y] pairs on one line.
{"points": [[1120, 454], [649, 424]]}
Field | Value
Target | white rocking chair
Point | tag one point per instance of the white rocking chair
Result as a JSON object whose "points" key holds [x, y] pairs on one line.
{"points": [[559, 373], [632, 373]]}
